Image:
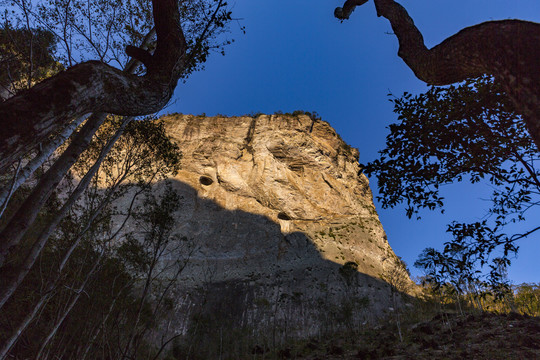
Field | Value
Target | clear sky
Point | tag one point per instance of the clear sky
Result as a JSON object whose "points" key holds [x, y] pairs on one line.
{"points": [[296, 56]]}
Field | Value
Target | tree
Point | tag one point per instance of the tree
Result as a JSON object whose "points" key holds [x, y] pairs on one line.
{"points": [[203, 21], [157, 258], [101, 29], [507, 50], [94, 86], [462, 133], [527, 299], [142, 155]]}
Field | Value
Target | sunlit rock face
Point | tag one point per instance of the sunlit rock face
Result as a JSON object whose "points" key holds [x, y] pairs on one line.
{"points": [[275, 205]]}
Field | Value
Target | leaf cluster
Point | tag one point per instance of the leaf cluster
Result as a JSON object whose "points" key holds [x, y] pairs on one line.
{"points": [[144, 153], [451, 134], [25, 57]]}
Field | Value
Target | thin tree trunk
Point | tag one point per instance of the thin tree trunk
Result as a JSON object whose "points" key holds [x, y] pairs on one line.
{"points": [[7, 291], [52, 283], [70, 307], [507, 50], [8, 344], [40, 243], [146, 290], [163, 293], [160, 245], [10, 190], [36, 162], [103, 322]]}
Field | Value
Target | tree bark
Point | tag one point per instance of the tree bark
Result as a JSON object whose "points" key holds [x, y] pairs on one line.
{"points": [[8, 191], [506, 49], [29, 117]]}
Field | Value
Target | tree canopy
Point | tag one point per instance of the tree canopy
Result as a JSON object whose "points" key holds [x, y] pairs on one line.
{"points": [[466, 132]]}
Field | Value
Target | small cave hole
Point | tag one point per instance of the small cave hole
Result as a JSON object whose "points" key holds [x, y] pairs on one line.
{"points": [[283, 216], [206, 180]]}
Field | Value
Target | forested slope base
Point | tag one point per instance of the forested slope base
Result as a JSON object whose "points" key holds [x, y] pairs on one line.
{"points": [[278, 215]]}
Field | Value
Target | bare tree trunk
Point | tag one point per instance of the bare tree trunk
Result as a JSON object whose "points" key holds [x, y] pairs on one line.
{"points": [[36, 162], [7, 291], [102, 324], [24, 217], [8, 191], [146, 290], [159, 301], [507, 50]]}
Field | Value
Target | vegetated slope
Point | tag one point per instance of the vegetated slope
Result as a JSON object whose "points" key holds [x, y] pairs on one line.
{"points": [[478, 336], [470, 336]]}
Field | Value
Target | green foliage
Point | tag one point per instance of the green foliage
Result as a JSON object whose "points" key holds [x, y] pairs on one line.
{"points": [[467, 132], [449, 134], [107, 298], [101, 29], [26, 57], [527, 299], [77, 31], [155, 258], [115, 302], [144, 153], [452, 277], [154, 220], [201, 35], [313, 115]]}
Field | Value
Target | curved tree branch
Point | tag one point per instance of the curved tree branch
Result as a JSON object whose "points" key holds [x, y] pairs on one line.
{"points": [[31, 116], [507, 50]]}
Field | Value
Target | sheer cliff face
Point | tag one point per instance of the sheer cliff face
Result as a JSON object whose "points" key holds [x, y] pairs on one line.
{"points": [[275, 206], [274, 195]]}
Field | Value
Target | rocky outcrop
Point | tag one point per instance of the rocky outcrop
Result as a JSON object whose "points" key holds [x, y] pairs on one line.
{"points": [[276, 206]]}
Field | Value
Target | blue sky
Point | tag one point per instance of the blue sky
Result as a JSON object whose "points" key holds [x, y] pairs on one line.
{"points": [[296, 56]]}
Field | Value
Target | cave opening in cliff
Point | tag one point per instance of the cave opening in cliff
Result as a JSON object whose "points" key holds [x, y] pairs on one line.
{"points": [[206, 180], [283, 216]]}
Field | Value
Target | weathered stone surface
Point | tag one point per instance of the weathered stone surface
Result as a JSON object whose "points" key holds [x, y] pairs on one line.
{"points": [[276, 205]]}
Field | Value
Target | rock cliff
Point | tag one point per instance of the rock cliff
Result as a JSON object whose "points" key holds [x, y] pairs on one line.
{"points": [[276, 206]]}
